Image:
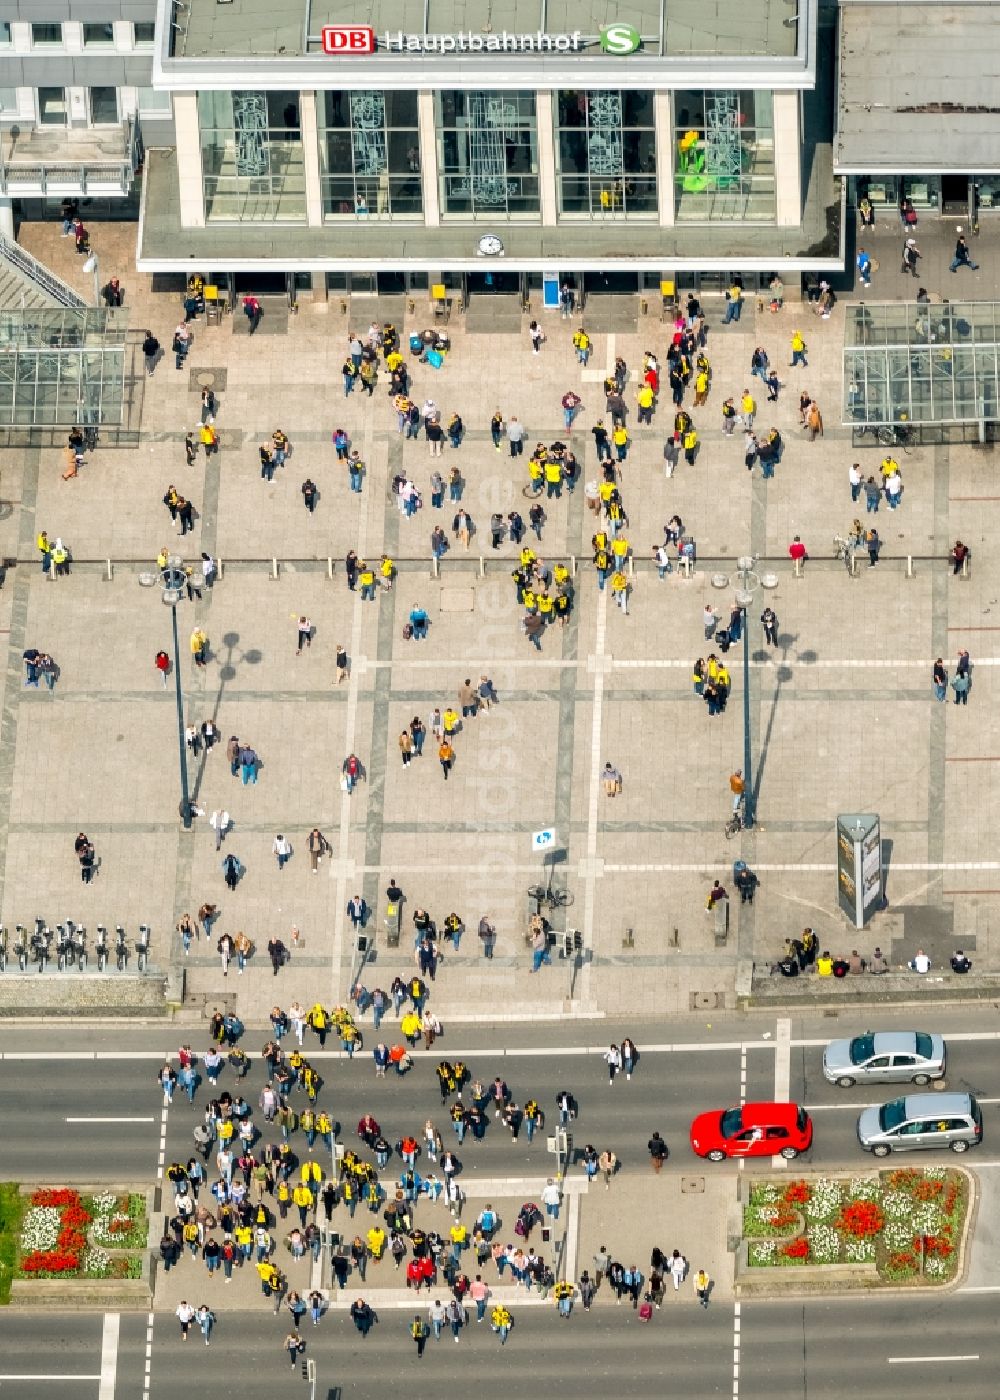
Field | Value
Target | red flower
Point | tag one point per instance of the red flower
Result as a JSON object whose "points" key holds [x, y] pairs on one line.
{"points": [[53, 1261], [796, 1249], [862, 1219], [120, 1227], [55, 1196], [797, 1193], [75, 1216]]}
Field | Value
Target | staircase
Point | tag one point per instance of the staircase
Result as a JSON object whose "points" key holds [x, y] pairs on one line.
{"points": [[27, 285]]}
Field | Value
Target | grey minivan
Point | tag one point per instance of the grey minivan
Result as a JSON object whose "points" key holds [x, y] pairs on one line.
{"points": [[922, 1121]]}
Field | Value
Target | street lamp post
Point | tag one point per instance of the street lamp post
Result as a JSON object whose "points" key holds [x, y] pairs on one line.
{"points": [[749, 582], [172, 584]]}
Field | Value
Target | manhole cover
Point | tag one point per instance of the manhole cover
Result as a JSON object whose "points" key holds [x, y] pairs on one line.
{"points": [[692, 1185], [205, 378], [458, 600], [704, 1001]]}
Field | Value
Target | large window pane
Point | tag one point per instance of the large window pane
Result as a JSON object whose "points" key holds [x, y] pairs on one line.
{"points": [[370, 148], [724, 156], [606, 155], [252, 159], [103, 106], [52, 106], [488, 153]]}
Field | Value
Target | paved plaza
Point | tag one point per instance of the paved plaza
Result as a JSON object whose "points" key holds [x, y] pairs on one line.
{"points": [[843, 714]]}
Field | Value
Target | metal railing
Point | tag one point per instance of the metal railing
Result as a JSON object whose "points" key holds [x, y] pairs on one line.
{"points": [[87, 175], [30, 268]]}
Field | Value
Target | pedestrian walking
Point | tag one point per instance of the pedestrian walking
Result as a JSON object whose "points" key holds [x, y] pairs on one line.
{"points": [[184, 1313], [702, 1287], [205, 1319], [537, 337], [419, 1331], [798, 350], [678, 1268], [282, 850], [769, 622], [865, 268], [294, 1345], [962, 258], [304, 631], [910, 258], [309, 494], [488, 935], [657, 1152]]}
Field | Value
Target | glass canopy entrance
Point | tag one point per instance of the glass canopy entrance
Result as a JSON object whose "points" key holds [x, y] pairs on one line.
{"points": [[62, 366]]}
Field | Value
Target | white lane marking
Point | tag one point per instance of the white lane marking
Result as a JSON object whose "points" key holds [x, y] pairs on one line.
{"points": [[108, 1120], [856, 1107], [981, 1287], [782, 1073], [76, 1376], [743, 1075], [149, 1354], [109, 1356], [736, 1350], [162, 1149], [925, 1360], [572, 1237], [681, 867]]}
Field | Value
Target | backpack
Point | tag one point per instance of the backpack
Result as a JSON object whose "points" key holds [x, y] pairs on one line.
{"points": [[645, 1310]]}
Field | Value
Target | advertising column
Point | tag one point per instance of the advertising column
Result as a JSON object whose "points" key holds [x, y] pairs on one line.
{"points": [[859, 865]]}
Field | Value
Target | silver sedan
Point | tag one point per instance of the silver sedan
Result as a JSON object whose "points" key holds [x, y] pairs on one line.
{"points": [[885, 1057]]}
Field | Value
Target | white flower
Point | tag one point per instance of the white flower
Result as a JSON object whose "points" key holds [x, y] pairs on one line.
{"points": [[898, 1234], [41, 1228], [926, 1218], [105, 1202], [935, 1173], [935, 1266], [764, 1193], [762, 1252], [825, 1199], [858, 1251], [95, 1261], [824, 1244], [864, 1188], [897, 1204]]}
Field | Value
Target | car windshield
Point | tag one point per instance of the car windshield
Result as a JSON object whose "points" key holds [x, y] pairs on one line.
{"points": [[862, 1048], [924, 1045], [891, 1114], [731, 1122]]}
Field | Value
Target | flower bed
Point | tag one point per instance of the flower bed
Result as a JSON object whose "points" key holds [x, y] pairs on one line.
{"points": [[907, 1222], [64, 1235]]}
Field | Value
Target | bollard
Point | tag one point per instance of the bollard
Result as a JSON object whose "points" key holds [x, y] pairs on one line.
{"points": [[685, 564], [111, 571], [274, 568], [675, 938], [631, 566], [435, 566], [572, 566], [797, 567], [966, 568], [853, 569], [909, 566], [218, 568], [721, 912], [482, 567], [629, 940], [329, 567]]}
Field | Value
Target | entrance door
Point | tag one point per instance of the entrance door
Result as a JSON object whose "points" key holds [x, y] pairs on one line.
{"points": [[261, 284], [493, 283], [954, 194], [622, 283], [390, 284]]}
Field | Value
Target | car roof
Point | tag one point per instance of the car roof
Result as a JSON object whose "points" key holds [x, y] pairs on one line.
{"points": [[888, 1041], [937, 1105], [759, 1115]]}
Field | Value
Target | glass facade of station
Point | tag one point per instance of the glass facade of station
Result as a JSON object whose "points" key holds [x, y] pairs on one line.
{"points": [[605, 161], [60, 367]]}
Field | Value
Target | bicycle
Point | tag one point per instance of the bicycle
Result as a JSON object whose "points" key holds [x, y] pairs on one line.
{"points": [[121, 948], [735, 823], [552, 899], [3, 948], [845, 552], [101, 947], [142, 947], [888, 434]]}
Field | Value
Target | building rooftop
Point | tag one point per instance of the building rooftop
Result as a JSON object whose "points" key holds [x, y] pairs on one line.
{"points": [[702, 28], [917, 88]]}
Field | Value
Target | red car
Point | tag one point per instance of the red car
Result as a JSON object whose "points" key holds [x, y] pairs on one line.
{"points": [[755, 1130]]}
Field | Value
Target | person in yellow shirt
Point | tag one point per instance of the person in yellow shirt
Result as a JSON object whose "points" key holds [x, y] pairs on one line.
{"points": [[621, 548], [581, 344], [798, 350], [700, 389], [535, 475], [199, 647], [890, 467], [529, 600], [388, 571], [304, 1201], [527, 558], [713, 668], [748, 408], [690, 444], [375, 1239], [553, 479], [606, 490], [646, 400], [620, 439], [619, 590], [546, 607], [450, 721], [393, 360], [824, 965], [366, 578], [560, 574]]}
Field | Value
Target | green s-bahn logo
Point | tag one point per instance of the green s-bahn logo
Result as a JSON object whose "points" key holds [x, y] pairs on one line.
{"points": [[620, 39]]}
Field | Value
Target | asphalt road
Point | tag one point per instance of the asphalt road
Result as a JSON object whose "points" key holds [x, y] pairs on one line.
{"points": [[117, 1099], [891, 1349]]}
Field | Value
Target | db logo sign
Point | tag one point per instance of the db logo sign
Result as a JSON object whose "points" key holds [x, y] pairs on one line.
{"points": [[348, 38]]}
